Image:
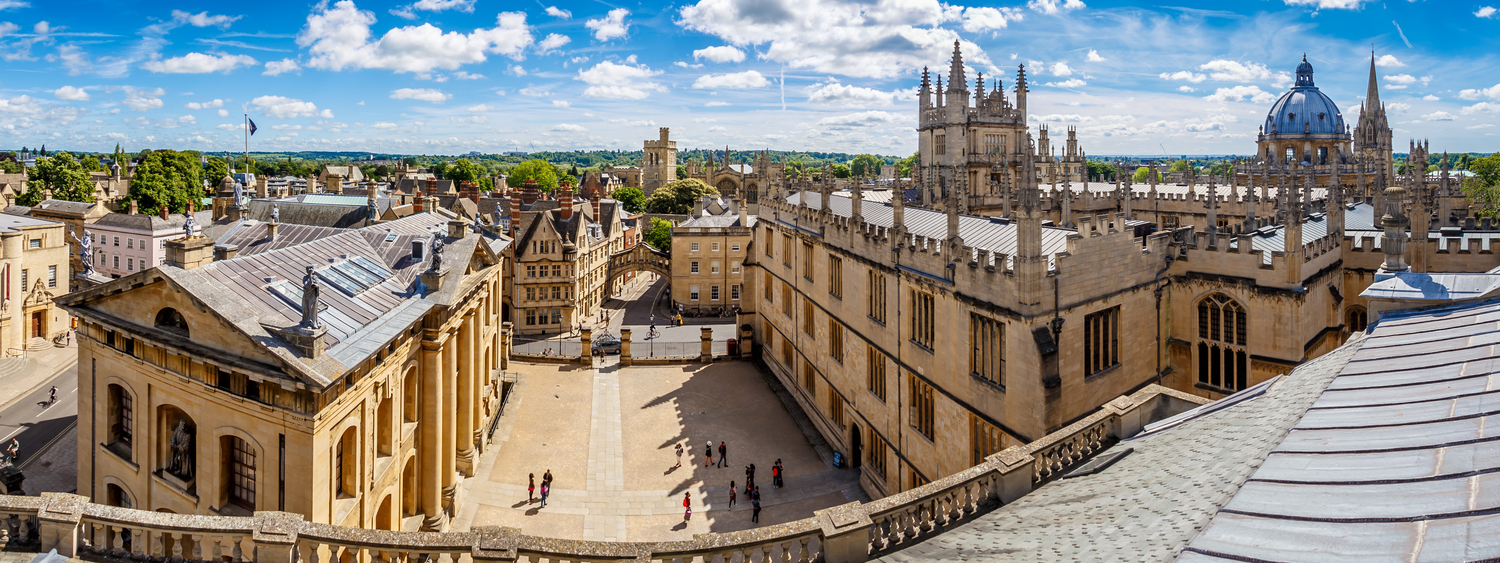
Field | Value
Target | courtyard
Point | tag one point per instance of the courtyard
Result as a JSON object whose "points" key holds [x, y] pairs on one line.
{"points": [[608, 435]]}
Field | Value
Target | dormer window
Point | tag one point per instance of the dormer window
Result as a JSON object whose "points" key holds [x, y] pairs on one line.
{"points": [[1320, 116], [1292, 115]]}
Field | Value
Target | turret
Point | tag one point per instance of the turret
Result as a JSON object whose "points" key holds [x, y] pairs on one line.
{"points": [[1021, 91]]}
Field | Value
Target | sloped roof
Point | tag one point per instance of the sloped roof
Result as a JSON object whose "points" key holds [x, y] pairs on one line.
{"points": [[63, 207], [147, 223]]}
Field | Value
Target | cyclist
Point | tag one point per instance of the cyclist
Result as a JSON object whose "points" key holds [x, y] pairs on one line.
{"points": [[52, 394]]}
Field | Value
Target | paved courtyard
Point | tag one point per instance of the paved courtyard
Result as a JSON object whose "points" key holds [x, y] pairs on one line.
{"points": [[607, 434]]}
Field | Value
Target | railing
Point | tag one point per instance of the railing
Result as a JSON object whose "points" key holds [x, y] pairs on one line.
{"points": [[851, 532]]}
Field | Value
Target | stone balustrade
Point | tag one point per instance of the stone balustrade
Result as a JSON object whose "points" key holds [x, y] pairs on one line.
{"points": [[849, 533]]}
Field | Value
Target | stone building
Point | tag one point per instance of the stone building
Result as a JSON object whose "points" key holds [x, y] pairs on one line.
{"points": [[75, 215], [341, 374], [744, 181], [658, 162], [126, 243], [34, 269], [709, 252]]}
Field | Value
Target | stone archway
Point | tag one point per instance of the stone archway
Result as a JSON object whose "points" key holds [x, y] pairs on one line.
{"points": [[640, 258]]}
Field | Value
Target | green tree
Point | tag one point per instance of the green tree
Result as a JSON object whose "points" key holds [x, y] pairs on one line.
{"points": [[382, 171], [866, 166], [167, 178], [441, 169], [660, 235], [91, 164], [796, 169], [1142, 174], [463, 171], [905, 165], [681, 170], [841, 171], [633, 199], [1178, 166], [535, 169], [677, 197], [62, 174], [11, 167], [216, 170], [1483, 188]]}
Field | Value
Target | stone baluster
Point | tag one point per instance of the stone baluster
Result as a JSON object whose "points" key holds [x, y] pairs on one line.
{"points": [[117, 541], [177, 545], [157, 548], [802, 550], [198, 547], [239, 548]]}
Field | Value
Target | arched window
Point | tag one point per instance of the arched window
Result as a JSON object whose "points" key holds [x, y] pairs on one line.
{"points": [[177, 446], [384, 422], [1356, 319], [121, 421], [170, 319], [346, 464], [116, 496], [409, 397], [1222, 360], [239, 472]]}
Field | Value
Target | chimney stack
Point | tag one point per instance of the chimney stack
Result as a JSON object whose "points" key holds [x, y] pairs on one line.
{"points": [[335, 184], [528, 192], [133, 208], [164, 216], [565, 201], [418, 203], [515, 217]]}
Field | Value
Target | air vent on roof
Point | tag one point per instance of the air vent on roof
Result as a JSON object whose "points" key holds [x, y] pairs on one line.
{"points": [[269, 279], [416, 250]]}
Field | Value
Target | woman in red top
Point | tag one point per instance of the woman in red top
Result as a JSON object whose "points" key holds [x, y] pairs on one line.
{"points": [[687, 504]]}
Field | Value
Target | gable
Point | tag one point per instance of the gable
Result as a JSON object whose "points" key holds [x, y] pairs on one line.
{"points": [[140, 305]]}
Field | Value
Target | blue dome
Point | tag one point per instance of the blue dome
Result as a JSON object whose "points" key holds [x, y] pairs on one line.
{"points": [[1304, 109]]}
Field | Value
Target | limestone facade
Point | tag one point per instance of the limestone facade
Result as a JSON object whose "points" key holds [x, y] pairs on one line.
{"points": [[658, 162], [34, 269], [709, 252]]}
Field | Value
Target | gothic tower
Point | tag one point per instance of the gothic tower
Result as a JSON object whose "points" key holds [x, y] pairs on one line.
{"points": [[658, 162], [1372, 136]]}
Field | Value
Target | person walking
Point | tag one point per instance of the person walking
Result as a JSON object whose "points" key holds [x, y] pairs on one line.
{"points": [[777, 473], [731, 494], [547, 479], [687, 506], [755, 509], [530, 486], [749, 478], [546, 490], [723, 457], [708, 454], [679, 456]]}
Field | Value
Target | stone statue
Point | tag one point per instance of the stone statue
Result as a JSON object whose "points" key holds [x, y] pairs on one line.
{"points": [[275, 212], [374, 211], [85, 251], [189, 225], [239, 194], [437, 252], [310, 300], [181, 446]]}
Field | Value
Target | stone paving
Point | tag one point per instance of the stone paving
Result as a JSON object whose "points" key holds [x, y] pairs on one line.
{"points": [[608, 434]]}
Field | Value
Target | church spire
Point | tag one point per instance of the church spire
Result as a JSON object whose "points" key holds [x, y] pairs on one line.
{"points": [[956, 80], [1372, 94]]}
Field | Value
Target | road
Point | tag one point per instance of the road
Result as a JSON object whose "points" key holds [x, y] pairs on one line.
{"points": [[35, 423], [637, 308]]}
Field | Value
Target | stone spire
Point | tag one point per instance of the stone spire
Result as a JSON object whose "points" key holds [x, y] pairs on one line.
{"points": [[1021, 91], [956, 80], [1030, 262], [1128, 194], [856, 202], [1212, 204], [1372, 91], [898, 211], [1250, 200]]}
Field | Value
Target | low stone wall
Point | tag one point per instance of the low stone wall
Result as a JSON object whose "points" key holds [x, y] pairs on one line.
{"points": [[853, 532]]}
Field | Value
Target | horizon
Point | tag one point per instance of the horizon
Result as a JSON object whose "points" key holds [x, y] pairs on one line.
{"points": [[446, 77]]}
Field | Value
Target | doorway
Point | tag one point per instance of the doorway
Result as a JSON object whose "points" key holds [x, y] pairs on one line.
{"points": [[36, 324], [854, 447]]}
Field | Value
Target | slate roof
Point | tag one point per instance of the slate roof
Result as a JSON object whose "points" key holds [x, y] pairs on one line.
{"points": [[409, 185], [296, 211], [147, 223], [63, 207], [252, 236], [1418, 286], [720, 221], [12, 223]]}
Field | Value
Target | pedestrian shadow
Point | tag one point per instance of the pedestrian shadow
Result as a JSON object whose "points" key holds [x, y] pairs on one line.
{"points": [[534, 511], [520, 504], [671, 470], [680, 526]]}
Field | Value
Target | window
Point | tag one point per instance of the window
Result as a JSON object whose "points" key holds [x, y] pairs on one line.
{"points": [[786, 259], [713, 267], [836, 339], [117, 261], [808, 318], [346, 458], [940, 144], [716, 247], [994, 143], [786, 353], [1101, 340], [130, 243], [920, 415], [770, 288], [557, 292], [734, 267], [695, 247], [241, 472], [531, 316], [713, 293], [531, 271], [1357, 319], [734, 247], [770, 247], [875, 302], [875, 454], [875, 371], [734, 292], [694, 267], [52, 276], [836, 276], [1169, 221], [984, 439], [117, 241], [786, 299], [557, 271], [807, 261], [835, 409], [26, 273], [692, 293], [809, 377], [121, 418], [921, 318], [130, 264], [987, 349], [531, 294], [916, 478], [1222, 359], [35, 243]]}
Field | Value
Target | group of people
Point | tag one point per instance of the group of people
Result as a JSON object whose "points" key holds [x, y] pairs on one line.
{"points": [[752, 491], [531, 487]]}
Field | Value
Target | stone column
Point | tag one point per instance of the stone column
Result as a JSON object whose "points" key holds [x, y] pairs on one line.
{"points": [[449, 451], [430, 420], [624, 346], [507, 328], [585, 356], [707, 336], [466, 379]]}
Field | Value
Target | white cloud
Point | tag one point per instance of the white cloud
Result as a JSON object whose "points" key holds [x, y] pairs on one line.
{"points": [[610, 26], [421, 94], [834, 93], [199, 63], [339, 38], [479, 108], [223, 113], [8, 4], [863, 38], [1431, 98], [560, 103], [705, 120], [978, 20], [141, 100], [1328, 4], [1492, 92], [517, 70], [1481, 107], [1240, 93], [1398, 106], [1438, 116], [861, 119], [1094, 57], [559, 13], [1061, 68], [231, 126], [610, 80], [1481, 126], [181, 18], [1485, 12], [71, 93], [1389, 60], [715, 104], [469, 119], [1184, 75], [384, 125], [1069, 83], [569, 127], [286, 127], [552, 42], [1054, 6], [719, 54], [274, 68], [1235, 71], [1186, 88], [734, 80], [466, 6], [281, 107], [1400, 78], [534, 92], [216, 103]]}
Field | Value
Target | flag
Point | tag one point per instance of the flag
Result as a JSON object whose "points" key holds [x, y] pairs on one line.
{"points": [[252, 125]]}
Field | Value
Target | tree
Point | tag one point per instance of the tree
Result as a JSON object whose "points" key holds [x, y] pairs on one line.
{"points": [[535, 169], [216, 169], [840, 171], [441, 169], [91, 164], [681, 170], [633, 199], [660, 235], [382, 171], [168, 178], [409, 161], [905, 165], [463, 171], [866, 166], [1178, 166], [796, 169], [62, 174], [1101, 171], [1483, 188], [11, 167], [1142, 174], [677, 197]]}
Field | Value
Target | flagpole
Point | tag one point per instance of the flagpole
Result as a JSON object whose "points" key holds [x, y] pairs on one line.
{"points": [[247, 143]]}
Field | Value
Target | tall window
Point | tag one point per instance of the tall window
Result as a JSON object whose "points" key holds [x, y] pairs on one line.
{"points": [[994, 143], [808, 325], [875, 303], [1357, 319], [922, 327], [770, 247], [984, 439], [809, 377], [734, 292], [835, 339], [786, 299], [713, 293], [940, 144], [1101, 340], [875, 455], [807, 260], [52, 276], [121, 418], [346, 459], [770, 288], [786, 353], [786, 258], [987, 348], [921, 406], [875, 371], [241, 472], [1222, 361], [835, 408], [835, 276]]}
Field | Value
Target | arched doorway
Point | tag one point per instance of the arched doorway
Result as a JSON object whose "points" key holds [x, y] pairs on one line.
{"points": [[854, 446]]}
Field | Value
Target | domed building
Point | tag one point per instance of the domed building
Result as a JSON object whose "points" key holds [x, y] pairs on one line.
{"points": [[1304, 126]]}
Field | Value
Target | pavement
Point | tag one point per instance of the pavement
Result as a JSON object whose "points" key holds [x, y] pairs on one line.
{"points": [[639, 305], [47, 431], [608, 435]]}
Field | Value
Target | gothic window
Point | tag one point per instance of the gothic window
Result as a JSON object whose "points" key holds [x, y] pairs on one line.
{"points": [[835, 276], [940, 144], [876, 299], [1101, 340], [1222, 359], [987, 349], [1356, 319], [922, 325], [921, 406], [875, 455], [836, 339], [807, 261], [984, 439], [875, 371]]}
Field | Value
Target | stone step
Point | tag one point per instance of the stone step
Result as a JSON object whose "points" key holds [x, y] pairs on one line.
{"points": [[38, 344]]}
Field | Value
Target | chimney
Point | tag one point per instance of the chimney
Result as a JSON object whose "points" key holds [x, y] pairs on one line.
{"points": [[260, 187], [594, 201], [164, 216], [335, 184], [431, 186], [225, 251], [457, 228], [271, 230], [565, 201], [418, 203], [515, 217], [189, 253], [473, 192], [133, 208], [528, 192], [46, 194]]}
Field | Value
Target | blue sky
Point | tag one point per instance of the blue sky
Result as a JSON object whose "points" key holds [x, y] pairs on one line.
{"points": [[452, 76]]}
